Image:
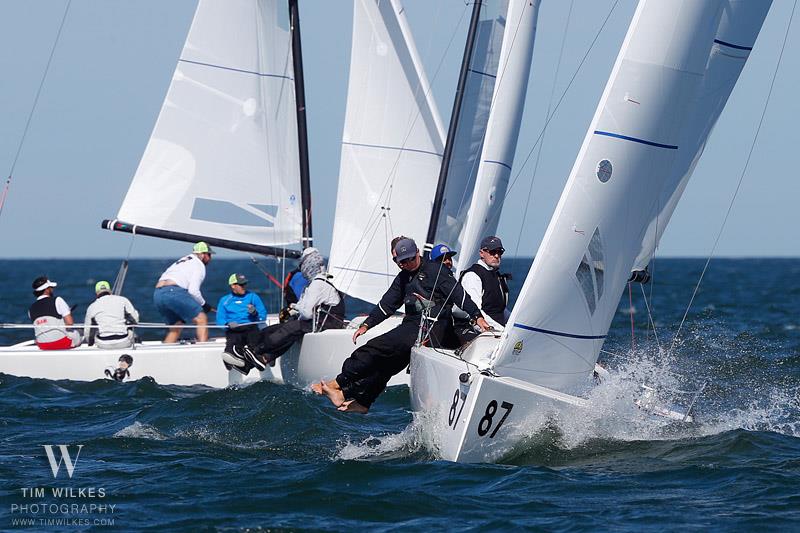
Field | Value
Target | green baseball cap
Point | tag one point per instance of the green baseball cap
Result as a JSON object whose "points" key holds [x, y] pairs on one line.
{"points": [[102, 286], [202, 248], [237, 279]]}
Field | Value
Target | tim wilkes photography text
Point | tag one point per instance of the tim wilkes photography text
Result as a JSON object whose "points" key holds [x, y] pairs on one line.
{"points": [[65, 502]]}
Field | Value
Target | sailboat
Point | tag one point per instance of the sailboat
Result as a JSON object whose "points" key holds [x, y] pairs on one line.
{"points": [[674, 73], [393, 150], [226, 163]]}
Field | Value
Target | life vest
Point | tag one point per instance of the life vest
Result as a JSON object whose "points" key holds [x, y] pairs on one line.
{"points": [[48, 325], [495, 292], [331, 316]]}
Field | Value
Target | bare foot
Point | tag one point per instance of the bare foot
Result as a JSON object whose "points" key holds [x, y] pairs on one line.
{"points": [[352, 406], [334, 394], [317, 387]]}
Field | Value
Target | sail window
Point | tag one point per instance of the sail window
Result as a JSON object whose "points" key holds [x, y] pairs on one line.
{"points": [[584, 275], [591, 271], [598, 263], [604, 170]]}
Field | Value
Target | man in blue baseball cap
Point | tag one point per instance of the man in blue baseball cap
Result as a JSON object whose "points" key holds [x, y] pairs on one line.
{"points": [[443, 254]]}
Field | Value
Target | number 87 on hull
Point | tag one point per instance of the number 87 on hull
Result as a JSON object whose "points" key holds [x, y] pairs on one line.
{"points": [[477, 418]]}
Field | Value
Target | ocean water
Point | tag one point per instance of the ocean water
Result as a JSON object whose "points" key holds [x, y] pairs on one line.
{"points": [[272, 457]]}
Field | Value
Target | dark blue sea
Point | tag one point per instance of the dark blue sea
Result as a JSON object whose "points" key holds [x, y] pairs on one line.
{"points": [[269, 457]]}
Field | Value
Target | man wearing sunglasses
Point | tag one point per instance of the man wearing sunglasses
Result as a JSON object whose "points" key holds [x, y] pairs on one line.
{"points": [[486, 285], [422, 286]]}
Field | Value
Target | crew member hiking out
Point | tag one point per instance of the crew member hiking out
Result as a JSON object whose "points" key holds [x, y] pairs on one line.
{"points": [[320, 305], [423, 287], [177, 295]]}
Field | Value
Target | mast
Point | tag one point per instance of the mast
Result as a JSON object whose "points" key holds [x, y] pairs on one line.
{"points": [[451, 132], [302, 131]]}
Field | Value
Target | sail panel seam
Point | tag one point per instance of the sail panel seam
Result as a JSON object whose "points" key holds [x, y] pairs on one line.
{"points": [[399, 148], [221, 67]]}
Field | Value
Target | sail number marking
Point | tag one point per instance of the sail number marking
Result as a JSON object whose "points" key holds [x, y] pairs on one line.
{"points": [[453, 418], [485, 423]]}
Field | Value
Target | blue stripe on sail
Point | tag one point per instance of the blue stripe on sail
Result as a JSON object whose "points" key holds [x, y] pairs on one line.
{"points": [[400, 148], [482, 73], [634, 139], [364, 271], [558, 333], [498, 163], [738, 47], [234, 69]]}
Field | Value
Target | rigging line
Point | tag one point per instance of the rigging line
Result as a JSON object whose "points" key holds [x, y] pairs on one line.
{"points": [[630, 311], [391, 173], [33, 107], [651, 322], [561, 99], [741, 177], [549, 108]]}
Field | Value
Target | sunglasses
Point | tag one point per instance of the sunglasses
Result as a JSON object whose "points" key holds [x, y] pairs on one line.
{"points": [[404, 261], [497, 251]]}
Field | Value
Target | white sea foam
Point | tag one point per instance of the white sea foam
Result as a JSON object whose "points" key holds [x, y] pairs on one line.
{"points": [[421, 434], [137, 430]]}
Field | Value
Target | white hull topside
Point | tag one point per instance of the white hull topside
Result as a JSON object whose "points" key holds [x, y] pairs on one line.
{"points": [[478, 418], [318, 356]]}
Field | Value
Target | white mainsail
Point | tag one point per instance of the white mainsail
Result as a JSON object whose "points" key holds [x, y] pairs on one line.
{"points": [[502, 130], [642, 143], [391, 151], [222, 159], [741, 22], [472, 123]]}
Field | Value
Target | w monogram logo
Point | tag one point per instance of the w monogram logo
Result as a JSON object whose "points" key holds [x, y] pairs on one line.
{"points": [[65, 458]]}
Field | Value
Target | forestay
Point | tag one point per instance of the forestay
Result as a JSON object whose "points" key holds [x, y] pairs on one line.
{"points": [[649, 127], [391, 151], [502, 129], [472, 123], [222, 159]]}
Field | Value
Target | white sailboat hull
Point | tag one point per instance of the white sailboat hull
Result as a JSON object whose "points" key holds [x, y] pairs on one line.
{"points": [[317, 356], [479, 418], [167, 364]]}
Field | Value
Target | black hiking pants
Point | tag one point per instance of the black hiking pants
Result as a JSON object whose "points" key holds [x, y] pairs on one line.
{"points": [[369, 368], [278, 338], [241, 335]]}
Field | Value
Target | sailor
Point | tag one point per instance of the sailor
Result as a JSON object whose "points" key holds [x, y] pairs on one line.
{"points": [[293, 286], [320, 305], [107, 319], [49, 315], [486, 285], [428, 290], [177, 295], [238, 310]]}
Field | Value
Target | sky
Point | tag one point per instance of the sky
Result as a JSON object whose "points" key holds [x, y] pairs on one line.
{"points": [[115, 58]]}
